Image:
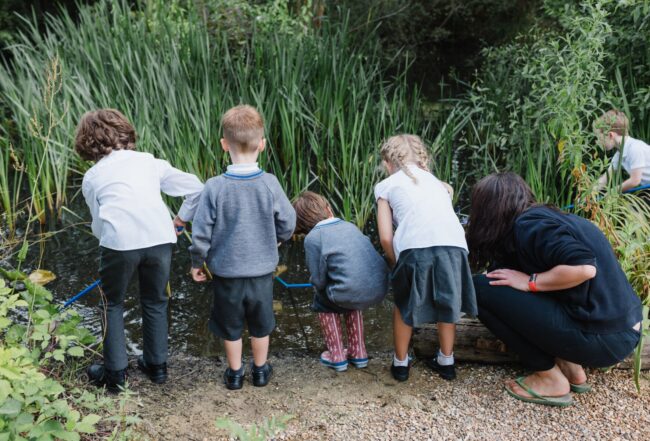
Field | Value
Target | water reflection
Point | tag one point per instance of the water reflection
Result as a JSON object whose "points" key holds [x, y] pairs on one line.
{"points": [[73, 256]]}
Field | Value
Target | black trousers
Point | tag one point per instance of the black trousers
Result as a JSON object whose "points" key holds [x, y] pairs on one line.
{"points": [[538, 328], [116, 269]]}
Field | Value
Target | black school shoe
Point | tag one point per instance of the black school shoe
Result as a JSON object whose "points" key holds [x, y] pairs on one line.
{"points": [[261, 375], [157, 373], [234, 380], [101, 377], [400, 373], [445, 372]]}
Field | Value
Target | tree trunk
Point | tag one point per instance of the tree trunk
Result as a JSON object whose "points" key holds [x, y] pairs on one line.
{"points": [[474, 342]]}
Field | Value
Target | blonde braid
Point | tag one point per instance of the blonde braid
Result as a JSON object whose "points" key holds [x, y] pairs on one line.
{"points": [[399, 150], [420, 151]]}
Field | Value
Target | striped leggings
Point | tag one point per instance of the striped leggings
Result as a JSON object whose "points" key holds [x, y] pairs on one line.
{"points": [[331, 326]]}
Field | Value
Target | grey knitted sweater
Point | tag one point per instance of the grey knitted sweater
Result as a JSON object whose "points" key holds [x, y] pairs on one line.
{"points": [[345, 266], [238, 223]]}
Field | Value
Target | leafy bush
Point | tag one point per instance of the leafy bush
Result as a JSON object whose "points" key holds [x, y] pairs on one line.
{"points": [[437, 36], [533, 106], [35, 405]]}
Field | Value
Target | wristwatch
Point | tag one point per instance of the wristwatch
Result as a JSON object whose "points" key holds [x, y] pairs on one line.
{"points": [[532, 283]]}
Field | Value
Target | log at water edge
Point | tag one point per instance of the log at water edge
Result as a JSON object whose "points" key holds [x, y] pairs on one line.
{"points": [[475, 343]]}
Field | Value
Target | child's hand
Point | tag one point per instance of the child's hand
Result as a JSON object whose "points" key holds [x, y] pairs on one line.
{"points": [[179, 226], [198, 275]]}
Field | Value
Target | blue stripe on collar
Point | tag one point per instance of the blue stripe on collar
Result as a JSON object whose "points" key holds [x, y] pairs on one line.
{"points": [[338, 221], [247, 176]]}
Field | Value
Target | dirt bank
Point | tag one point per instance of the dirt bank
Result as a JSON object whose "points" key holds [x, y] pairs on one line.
{"points": [[368, 404]]}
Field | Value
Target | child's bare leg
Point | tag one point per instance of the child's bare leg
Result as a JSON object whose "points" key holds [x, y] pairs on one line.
{"points": [[401, 335], [446, 336], [260, 348], [233, 353]]}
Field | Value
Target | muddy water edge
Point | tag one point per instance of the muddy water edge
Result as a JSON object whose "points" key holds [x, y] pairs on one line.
{"points": [[73, 255]]}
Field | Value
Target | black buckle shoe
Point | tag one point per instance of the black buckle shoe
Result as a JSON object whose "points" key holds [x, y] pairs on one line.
{"points": [[262, 374], [446, 372], [157, 373], [400, 373], [234, 380], [101, 377]]}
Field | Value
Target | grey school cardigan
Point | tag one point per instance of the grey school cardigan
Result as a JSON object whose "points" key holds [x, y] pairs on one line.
{"points": [[238, 223], [345, 266]]}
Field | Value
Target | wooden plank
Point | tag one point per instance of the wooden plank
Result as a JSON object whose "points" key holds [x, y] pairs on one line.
{"points": [[475, 343]]}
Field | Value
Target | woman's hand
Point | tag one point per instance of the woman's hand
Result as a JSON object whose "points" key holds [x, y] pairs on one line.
{"points": [[556, 279], [511, 278]]}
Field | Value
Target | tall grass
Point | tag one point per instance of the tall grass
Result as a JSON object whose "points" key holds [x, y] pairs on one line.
{"points": [[327, 104]]}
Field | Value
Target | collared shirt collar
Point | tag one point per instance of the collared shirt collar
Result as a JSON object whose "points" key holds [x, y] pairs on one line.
{"points": [[243, 169], [331, 220]]}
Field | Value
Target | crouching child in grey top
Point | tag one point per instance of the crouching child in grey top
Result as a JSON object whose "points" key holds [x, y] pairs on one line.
{"points": [[242, 217], [348, 276]]}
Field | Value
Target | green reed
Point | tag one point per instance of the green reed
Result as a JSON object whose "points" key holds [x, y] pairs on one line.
{"points": [[327, 103]]}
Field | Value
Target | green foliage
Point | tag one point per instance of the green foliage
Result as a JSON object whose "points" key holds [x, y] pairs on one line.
{"points": [[533, 106], [265, 431], [439, 36], [327, 102], [40, 347], [35, 406]]}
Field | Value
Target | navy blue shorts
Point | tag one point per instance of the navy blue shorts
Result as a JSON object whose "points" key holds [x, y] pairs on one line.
{"points": [[239, 300]]}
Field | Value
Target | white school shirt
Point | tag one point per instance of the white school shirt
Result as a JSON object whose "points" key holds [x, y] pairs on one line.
{"points": [[122, 191], [636, 154], [422, 213]]}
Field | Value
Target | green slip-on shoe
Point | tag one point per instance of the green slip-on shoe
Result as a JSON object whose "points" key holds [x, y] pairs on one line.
{"points": [[535, 398], [580, 388]]}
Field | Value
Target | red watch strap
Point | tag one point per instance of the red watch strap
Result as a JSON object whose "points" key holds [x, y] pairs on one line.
{"points": [[532, 283]]}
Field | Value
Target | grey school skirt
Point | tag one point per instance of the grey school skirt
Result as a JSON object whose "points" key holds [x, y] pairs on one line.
{"points": [[433, 285]]}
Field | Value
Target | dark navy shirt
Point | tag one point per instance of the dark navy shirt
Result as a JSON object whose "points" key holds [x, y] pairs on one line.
{"points": [[545, 238]]}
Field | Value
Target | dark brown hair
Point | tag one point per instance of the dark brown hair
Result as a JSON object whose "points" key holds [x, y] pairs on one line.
{"points": [[497, 200], [101, 131], [243, 127], [311, 208]]}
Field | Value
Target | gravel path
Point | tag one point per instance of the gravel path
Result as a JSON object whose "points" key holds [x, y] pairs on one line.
{"points": [[369, 405]]}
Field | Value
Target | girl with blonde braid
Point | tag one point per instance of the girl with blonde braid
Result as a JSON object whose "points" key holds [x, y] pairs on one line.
{"points": [[425, 246]]}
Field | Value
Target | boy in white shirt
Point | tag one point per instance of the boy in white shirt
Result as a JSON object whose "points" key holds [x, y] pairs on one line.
{"points": [[612, 132], [135, 233]]}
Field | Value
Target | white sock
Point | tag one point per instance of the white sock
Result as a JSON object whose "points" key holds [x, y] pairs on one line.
{"points": [[445, 360], [398, 362]]}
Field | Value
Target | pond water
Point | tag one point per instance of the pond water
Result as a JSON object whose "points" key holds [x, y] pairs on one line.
{"points": [[73, 256]]}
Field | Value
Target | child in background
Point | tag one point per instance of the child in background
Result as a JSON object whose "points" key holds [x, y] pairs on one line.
{"points": [[135, 235], [242, 217], [612, 131], [431, 278], [348, 276]]}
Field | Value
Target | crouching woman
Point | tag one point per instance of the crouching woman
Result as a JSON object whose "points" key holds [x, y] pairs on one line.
{"points": [[554, 292]]}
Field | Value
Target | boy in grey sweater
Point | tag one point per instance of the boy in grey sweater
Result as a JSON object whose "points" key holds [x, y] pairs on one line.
{"points": [[242, 217], [348, 276]]}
